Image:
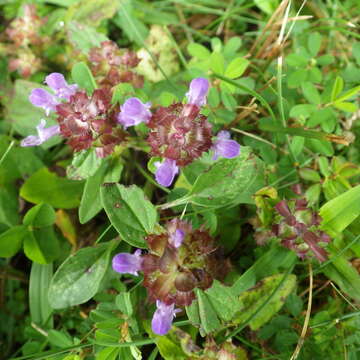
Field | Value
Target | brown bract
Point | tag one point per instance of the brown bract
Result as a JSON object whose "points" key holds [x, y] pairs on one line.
{"points": [[90, 121]]}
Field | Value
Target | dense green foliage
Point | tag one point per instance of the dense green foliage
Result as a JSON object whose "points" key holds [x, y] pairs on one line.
{"points": [[284, 214]]}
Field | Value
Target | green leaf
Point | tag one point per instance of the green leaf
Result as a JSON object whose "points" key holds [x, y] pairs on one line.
{"points": [[132, 215], [254, 298], [297, 78], [41, 245], [268, 264], [39, 216], [84, 37], [344, 275], [267, 6], [40, 309], [302, 111], [123, 303], [169, 349], [45, 186], [231, 47], [90, 205], [348, 94], [311, 93], [79, 277], [228, 181], [309, 174], [337, 88], [11, 240], [296, 60], [223, 300], [339, 213], [82, 76], [84, 164], [314, 43], [132, 27], [9, 205], [198, 51], [59, 339], [236, 68], [92, 12], [217, 62], [345, 106], [208, 317]]}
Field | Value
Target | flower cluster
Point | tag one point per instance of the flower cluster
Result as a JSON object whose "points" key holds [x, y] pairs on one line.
{"points": [[83, 120], [179, 260], [23, 33], [111, 66], [298, 227], [178, 134]]}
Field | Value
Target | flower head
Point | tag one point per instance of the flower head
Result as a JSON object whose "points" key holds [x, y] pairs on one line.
{"points": [[179, 132], [166, 172], [134, 112], [42, 98], [125, 263], [224, 146], [62, 89], [43, 134], [163, 318], [197, 93]]}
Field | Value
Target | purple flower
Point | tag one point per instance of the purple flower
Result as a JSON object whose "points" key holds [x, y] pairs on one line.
{"points": [[198, 90], [125, 263], [43, 134], [42, 98], [133, 112], [224, 146], [163, 318], [176, 238], [57, 82], [166, 172]]}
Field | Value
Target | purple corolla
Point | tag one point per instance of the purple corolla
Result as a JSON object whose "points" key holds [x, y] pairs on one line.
{"points": [[197, 93], [125, 263], [166, 172], [224, 146], [163, 318], [43, 134], [134, 112]]}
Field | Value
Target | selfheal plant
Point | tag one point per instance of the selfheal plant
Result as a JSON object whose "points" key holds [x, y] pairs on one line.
{"points": [[84, 121], [179, 260]]}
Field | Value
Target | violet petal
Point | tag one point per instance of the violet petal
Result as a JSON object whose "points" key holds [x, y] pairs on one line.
{"points": [[134, 112], [44, 134], [225, 147], [176, 238], [42, 98], [57, 82], [198, 90], [125, 263], [163, 318], [166, 172]]}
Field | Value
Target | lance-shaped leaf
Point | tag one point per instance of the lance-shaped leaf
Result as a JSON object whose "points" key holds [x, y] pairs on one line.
{"points": [[340, 212], [78, 278], [128, 210], [253, 299]]}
